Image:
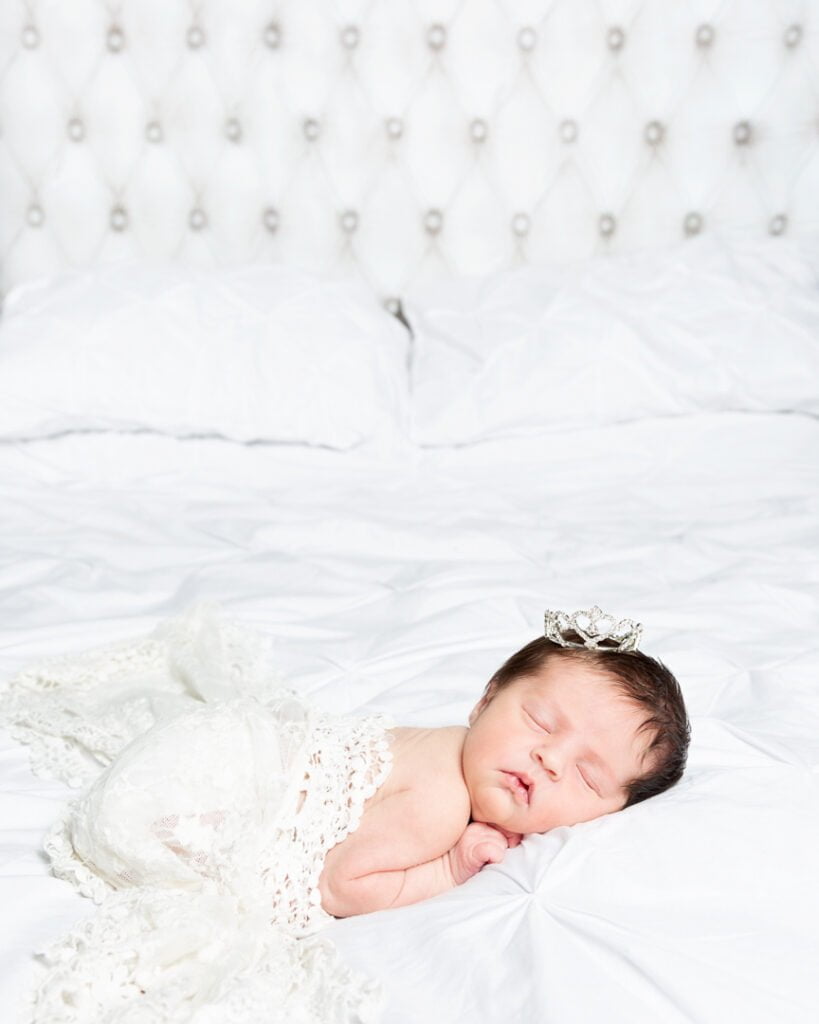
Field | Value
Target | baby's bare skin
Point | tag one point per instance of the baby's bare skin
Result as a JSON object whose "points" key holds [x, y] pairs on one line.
{"points": [[550, 749], [398, 853]]}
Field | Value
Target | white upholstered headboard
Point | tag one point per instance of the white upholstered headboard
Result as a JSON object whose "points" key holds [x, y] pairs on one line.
{"points": [[399, 139]]}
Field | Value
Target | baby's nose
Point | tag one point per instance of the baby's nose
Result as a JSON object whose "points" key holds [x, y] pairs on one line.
{"points": [[550, 757]]}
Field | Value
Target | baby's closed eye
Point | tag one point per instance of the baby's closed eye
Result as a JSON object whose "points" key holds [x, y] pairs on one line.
{"points": [[538, 722]]}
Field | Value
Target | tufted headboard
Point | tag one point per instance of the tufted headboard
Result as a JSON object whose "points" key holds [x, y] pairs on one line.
{"points": [[399, 139]]}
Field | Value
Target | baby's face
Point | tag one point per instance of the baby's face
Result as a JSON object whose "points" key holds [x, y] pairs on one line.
{"points": [[550, 749]]}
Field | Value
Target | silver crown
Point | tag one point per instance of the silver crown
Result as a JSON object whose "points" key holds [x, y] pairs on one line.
{"points": [[594, 627]]}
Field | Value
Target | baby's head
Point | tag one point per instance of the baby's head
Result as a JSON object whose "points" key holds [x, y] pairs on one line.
{"points": [[564, 734]]}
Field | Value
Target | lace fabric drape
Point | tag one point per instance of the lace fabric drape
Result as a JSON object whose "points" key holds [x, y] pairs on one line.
{"points": [[211, 797]]}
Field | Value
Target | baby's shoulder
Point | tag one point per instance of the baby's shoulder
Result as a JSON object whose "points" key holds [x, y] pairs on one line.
{"points": [[428, 749], [429, 762]]}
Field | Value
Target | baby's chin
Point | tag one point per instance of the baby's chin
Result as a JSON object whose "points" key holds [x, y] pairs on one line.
{"points": [[512, 838]]}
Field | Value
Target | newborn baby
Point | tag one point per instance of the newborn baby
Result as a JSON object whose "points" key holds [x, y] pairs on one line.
{"points": [[577, 724], [232, 817]]}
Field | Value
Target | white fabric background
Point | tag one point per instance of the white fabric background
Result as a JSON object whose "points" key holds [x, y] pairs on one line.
{"points": [[400, 585], [399, 140], [406, 142]]}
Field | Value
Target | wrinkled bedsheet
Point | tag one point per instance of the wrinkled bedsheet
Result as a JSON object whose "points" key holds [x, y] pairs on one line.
{"points": [[399, 583]]}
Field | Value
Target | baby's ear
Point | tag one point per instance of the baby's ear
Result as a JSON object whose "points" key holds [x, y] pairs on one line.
{"points": [[488, 694]]}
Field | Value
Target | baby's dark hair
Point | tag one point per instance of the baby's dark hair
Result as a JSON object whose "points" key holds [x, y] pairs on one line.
{"points": [[644, 681]]}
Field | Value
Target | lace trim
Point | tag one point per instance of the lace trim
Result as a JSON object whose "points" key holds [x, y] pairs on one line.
{"points": [[66, 864], [56, 708], [346, 762], [342, 764], [77, 712], [150, 957], [239, 947]]}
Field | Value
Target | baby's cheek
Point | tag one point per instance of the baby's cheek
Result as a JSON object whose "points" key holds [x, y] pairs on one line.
{"points": [[495, 808]]}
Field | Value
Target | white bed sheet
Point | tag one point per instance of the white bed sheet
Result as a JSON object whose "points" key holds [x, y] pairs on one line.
{"points": [[400, 584]]}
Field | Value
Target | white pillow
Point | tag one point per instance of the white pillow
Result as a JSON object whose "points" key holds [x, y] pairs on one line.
{"points": [[703, 326], [254, 353]]}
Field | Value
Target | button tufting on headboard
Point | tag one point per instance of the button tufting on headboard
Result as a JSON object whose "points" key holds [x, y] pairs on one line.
{"points": [[615, 38], [606, 224], [693, 224], [115, 39], [743, 133], [478, 130], [233, 129], [119, 218], [793, 36], [436, 37], [433, 222], [30, 37], [521, 224], [394, 127], [35, 215], [76, 129], [349, 221], [195, 37], [270, 219], [654, 133], [396, 141], [527, 38], [350, 37], [272, 35], [197, 219]]}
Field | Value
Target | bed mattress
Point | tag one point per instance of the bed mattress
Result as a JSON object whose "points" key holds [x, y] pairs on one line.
{"points": [[399, 583]]}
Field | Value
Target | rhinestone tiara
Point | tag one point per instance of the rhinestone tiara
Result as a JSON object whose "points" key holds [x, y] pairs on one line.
{"points": [[594, 627]]}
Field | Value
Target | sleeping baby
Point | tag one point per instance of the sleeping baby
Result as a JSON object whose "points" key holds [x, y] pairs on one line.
{"points": [[575, 725], [233, 818]]}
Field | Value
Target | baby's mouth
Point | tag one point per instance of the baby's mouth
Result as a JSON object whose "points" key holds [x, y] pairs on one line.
{"points": [[520, 786]]}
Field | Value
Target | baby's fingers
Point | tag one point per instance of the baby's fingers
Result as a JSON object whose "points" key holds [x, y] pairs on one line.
{"points": [[490, 851]]}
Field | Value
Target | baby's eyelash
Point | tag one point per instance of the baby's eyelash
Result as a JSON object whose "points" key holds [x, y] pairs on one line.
{"points": [[538, 723], [586, 781]]}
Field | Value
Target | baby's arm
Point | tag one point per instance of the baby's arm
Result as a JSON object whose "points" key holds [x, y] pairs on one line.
{"points": [[402, 853]]}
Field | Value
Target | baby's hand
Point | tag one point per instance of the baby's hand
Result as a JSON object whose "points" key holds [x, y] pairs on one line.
{"points": [[480, 844]]}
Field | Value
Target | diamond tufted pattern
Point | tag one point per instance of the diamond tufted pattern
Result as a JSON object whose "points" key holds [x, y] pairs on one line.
{"points": [[399, 139]]}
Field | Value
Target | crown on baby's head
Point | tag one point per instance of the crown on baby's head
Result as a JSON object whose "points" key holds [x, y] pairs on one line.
{"points": [[597, 630]]}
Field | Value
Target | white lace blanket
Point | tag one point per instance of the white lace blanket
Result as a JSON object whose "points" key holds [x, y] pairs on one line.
{"points": [[211, 797]]}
